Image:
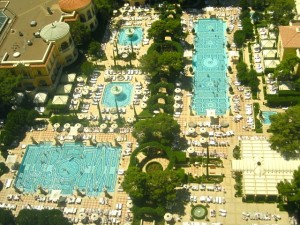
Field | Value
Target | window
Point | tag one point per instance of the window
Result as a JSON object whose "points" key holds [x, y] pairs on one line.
{"points": [[89, 15], [82, 18], [64, 46]]}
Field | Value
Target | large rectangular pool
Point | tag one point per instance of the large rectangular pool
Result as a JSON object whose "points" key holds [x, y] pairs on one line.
{"points": [[88, 168], [210, 65]]}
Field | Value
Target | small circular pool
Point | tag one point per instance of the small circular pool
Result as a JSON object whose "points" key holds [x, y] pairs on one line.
{"points": [[199, 212]]}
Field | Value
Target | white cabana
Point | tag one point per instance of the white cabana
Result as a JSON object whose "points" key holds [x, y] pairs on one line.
{"points": [[60, 100], [64, 89], [268, 44], [54, 196], [68, 78], [74, 130], [11, 159], [188, 54], [40, 98], [262, 168], [269, 53], [272, 63], [211, 112]]}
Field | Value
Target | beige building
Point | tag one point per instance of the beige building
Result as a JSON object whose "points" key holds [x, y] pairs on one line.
{"points": [[84, 8], [288, 41], [35, 39]]}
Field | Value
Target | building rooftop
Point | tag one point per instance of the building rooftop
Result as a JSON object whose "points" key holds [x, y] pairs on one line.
{"points": [[20, 38], [73, 5], [290, 36], [55, 31]]}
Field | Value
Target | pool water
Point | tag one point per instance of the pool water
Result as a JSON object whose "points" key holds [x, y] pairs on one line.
{"points": [[266, 116], [136, 38], [90, 168], [123, 99], [210, 65]]}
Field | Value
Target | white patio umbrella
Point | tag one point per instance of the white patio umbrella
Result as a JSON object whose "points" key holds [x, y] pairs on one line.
{"points": [[115, 117], [79, 79], [78, 126], [168, 217], [143, 105], [56, 126], [177, 90], [114, 126], [145, 98], [203, 140], [191, 150], [67, 126], [80, 116], [138, 92], [130, 120], [177, 97], [202, 130], [129, 204], [85, 92], [82, 216], [191, 130], [86, 129], [94, 217], [176, 106], [103, 126], [192, 124]]}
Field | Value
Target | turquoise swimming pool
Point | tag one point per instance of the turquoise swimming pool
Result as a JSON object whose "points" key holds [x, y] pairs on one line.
{"points": [[210, 65], [266, 116], [123, 99], [125, 38], [90, 168]]}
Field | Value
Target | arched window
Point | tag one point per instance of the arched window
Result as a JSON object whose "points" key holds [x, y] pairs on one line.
{"points": [[82, 18], [89, 15], [64, 46]]}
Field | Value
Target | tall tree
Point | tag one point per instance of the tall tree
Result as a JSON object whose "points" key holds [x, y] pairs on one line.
{"points": [[8, 85], [6, 217], [282, 11], [285, 70], [161, 128], [239, 38], [80, 33], [285, 129], [290, 191]]}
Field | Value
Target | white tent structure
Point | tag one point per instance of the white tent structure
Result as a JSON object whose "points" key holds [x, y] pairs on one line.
{"points": [[272, 63], [60, 100], [262, 168], [64, 89], [268, 44], [40, 98], [269, 53], [68, 78]]}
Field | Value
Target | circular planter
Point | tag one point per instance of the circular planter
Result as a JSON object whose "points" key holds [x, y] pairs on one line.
{"points": [[199, 212], [153, 166]]}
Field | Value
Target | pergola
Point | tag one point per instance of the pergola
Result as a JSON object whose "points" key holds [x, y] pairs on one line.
{"points": [[262, 168]]}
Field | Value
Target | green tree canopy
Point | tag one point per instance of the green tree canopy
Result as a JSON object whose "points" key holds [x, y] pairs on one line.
{"points": [[87, 68], [147, 188], [41, 217], [283, 11], [6, 217], [80, 33], [239, 38], [161, 128], [285, 70], [291, 190], [8, 85], [94, 48], [158, 30], [106, 7], [285, 129]]}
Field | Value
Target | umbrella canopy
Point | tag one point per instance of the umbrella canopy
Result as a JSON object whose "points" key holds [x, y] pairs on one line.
{"points": [[115, 117], [94, 217], [144, 105], [202, 130], [192, 124], [145, 98], [177, 90], [203, 140], [103, 126], [192, 130], [85, 92], [67, 126], [176, 106], [224, 124], [79, 79], [56, 125], [129, 204], [40, 98], [78, 125], [80, 116], [190, 150], [168, 217], [177, 97], [114, 126], [130, 120], [86, 130], [82, 216]]}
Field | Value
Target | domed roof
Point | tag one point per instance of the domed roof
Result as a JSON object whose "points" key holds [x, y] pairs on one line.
{"points": [[55, 31], [73, 5]]}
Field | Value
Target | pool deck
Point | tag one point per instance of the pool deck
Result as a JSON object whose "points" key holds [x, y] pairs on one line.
{"points": [[233, 205]]}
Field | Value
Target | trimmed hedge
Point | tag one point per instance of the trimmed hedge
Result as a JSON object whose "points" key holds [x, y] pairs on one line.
{"points": [[154, 105], [282, 93], [154, 88], [282, 101]]}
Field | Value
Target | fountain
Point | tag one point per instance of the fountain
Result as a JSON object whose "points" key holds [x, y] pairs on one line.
{"points": [[130, 32], [116, 90]]}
